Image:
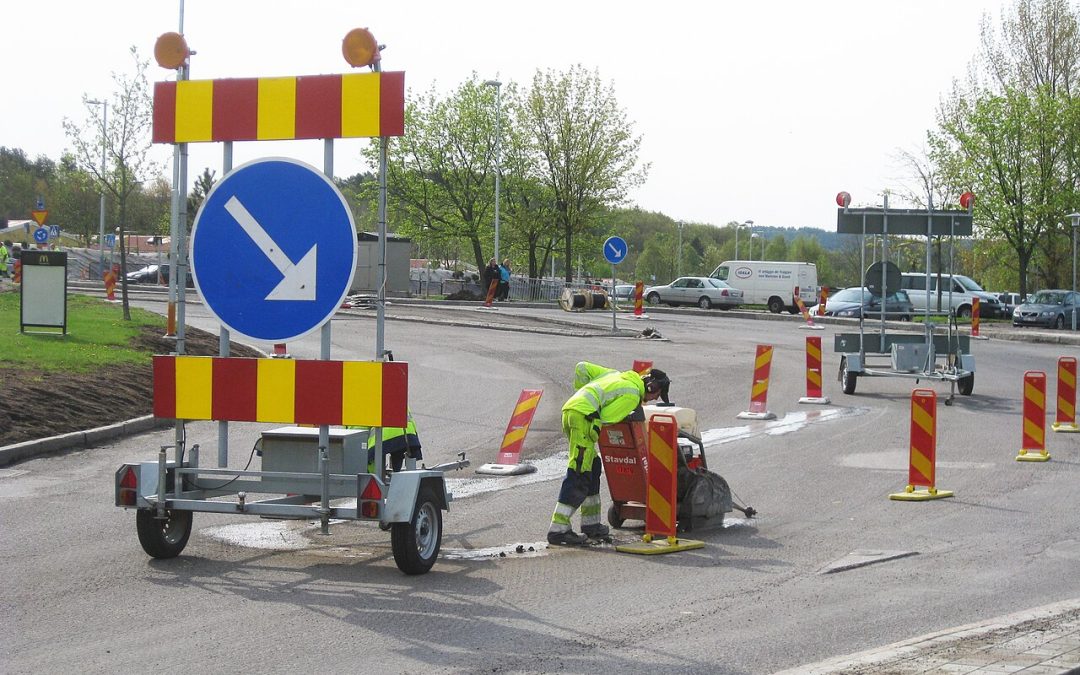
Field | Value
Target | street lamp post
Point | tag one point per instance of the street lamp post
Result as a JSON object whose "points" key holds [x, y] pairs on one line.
{"points": [[749, 224], [753, 236], [498, 154], [101, 219], [679, 265], [1075, 222]]}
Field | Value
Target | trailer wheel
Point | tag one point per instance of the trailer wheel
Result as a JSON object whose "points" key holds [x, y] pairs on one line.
{"points": [[965, 385], [847, 378], [614, 516], [416, 543], [163, 538]]}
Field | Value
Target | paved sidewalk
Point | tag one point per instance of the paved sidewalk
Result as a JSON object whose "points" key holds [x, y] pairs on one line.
{"points": [[1041, 640]]}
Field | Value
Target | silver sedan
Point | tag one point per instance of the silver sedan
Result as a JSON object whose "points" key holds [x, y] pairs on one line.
{"points": [[705, 292]]}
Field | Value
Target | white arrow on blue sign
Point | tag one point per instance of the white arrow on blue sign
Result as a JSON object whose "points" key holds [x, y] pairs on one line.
{"points": [[273, 250], [41, 235], [615, 250]]}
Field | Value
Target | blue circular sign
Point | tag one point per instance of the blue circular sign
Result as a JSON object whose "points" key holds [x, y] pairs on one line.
{"points": [[615, 249], [273, 250], [41, 235]]}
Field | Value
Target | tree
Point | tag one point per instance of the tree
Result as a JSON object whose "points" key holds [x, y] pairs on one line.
{"points": [[75, 201], [203, 184], [22, 182], [589, 156], [1007, 149], [127, 143], [439, 175]]}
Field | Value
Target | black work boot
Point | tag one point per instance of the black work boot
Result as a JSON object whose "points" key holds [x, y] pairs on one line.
{"points": [[568, 538], [596, 531]]}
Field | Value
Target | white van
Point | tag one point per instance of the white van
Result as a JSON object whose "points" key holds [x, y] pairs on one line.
{"points": [[964, 289], [764, 282]]}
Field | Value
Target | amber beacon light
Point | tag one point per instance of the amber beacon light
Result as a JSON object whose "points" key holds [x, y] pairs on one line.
{"points": [[171, 50], [360, 48]]}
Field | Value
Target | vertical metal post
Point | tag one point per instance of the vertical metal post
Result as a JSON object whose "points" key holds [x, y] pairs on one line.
{"points": [[380, 303], [614, 323], [324, 354], [1075, 222], [223, 332], [678, 267], [177, 280]]}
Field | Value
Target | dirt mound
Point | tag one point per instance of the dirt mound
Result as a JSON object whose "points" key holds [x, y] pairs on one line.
{"points": [[35, 404]]}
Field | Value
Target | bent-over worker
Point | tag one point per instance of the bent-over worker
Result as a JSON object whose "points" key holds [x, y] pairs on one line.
{"points": [[608, 399]]}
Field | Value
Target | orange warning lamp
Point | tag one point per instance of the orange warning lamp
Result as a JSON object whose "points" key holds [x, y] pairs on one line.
{"points": [[967, 200], [171, 50], [360, 48]]}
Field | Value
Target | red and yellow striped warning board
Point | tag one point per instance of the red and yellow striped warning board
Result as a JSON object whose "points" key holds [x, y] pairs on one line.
{"points": [[514, 438], [351, 105], [759, 388], [356, 393], [663, 471], [1033, 437], [661, 492], [813, 372], [1065, 420], [922, 463]]}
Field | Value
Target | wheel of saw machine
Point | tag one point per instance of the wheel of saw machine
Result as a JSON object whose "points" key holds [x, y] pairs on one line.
{"points": [[614, 515]]}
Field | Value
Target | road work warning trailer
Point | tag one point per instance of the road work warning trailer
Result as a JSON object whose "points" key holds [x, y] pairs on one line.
{"points": [[939, 353], [273, 254]]}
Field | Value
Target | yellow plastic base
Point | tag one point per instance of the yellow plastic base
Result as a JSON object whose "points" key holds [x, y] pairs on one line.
{"points": [[656, 546], [1066, 427], [1033, 457], [910, 494]]}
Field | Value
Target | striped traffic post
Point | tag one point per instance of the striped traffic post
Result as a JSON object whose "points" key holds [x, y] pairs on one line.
{"points": [[490, 295], [1065, 420], [813, 372], [18, 272], [823, 297], [641, 367], [661, 476], [110, 285], [805, 313], [759, 389], [639, 305], [1033, 437], [923, 450], [508, 462]]}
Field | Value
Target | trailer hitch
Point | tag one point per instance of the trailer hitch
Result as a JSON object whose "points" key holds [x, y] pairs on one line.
{"points": [[461, 463]]}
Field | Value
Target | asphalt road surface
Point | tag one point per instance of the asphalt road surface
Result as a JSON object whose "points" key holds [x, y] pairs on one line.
{"points": [[255, 595]]}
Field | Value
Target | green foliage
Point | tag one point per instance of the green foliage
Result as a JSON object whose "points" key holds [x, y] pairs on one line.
{"points": [[98, 337]]}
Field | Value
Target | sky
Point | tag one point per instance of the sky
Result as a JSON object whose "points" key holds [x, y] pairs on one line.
{"points": [[758, 110]]}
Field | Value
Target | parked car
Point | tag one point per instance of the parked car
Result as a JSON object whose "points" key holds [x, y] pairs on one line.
{"points": [[705, 292], [855, 302], [1049, 309], [962, 290], [1010, 301], [624, 291], [149, 275]]}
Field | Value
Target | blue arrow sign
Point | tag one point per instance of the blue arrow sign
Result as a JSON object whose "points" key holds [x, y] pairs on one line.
{"points": [[41, 235], [615, 250], [273, 250]]}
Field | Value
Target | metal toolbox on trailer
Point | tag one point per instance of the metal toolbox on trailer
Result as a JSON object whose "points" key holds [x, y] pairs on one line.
{"points": [[295, 449]]}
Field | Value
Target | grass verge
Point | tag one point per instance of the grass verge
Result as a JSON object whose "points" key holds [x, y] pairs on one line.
{"points": [[97, 336]]}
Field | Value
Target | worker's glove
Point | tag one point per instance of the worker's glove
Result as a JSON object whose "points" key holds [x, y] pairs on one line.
{"points": [[594, 431]]}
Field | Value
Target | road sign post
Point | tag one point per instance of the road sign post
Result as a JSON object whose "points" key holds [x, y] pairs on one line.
{"points": [[273, 250], [614, 252]]}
